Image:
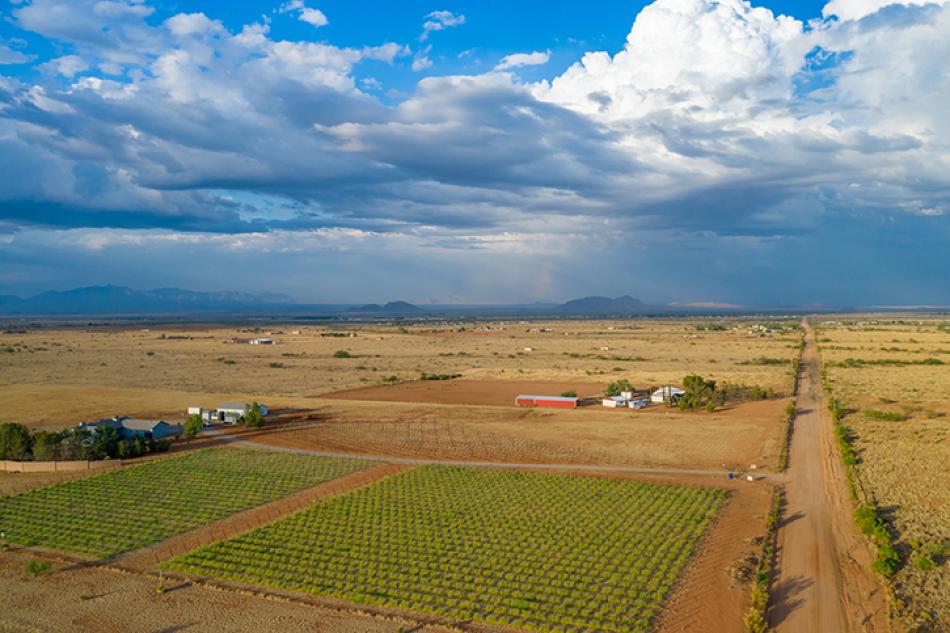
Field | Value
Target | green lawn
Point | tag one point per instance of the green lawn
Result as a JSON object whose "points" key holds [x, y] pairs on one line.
{"points": [[546, 552], [127, 509]]}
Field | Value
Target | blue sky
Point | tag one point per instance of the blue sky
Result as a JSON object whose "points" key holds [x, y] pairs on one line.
{"points": [[679, 150]]}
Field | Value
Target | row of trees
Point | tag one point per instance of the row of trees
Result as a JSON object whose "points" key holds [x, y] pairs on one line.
{"points": [[701, 393], [18, 443]]}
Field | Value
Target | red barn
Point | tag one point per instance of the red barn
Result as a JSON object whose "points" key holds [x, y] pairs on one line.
{"points": [[560, 402]]}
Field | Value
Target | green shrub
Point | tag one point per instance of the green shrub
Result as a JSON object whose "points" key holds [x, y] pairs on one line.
{"points": [[342, 353], [36, 567], [890, 416], [617, 387], [925, 563], [570, 393]]}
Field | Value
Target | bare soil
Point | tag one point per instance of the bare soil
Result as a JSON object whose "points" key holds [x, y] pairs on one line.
{"points": [[475, 392], [708, 598], [84, 599], [746, 434]]}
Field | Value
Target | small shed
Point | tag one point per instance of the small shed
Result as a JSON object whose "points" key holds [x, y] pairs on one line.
{"points": [[613, 402]]}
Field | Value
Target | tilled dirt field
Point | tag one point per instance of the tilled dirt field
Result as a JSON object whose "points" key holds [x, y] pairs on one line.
{"points": [[746, 434], [476, 392]]}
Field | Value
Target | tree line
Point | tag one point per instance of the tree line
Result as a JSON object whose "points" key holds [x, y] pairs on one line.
{"points": [[20, 444]]}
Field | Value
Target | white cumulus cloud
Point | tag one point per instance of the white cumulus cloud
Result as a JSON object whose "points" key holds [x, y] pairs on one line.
{"points": [[524, 59], [856, 9], [439, 20]]}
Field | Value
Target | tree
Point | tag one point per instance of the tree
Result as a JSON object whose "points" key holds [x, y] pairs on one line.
{"points": [[47, 445], [105, 443], [253, 416], [15, 442], [618, 387], [698, 391], [193, 425]]}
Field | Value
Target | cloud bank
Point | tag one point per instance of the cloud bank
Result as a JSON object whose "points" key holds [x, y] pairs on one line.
{"points": [[717, 122]]}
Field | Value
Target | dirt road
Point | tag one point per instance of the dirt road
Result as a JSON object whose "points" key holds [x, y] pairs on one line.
{"points": [[824, 581]]}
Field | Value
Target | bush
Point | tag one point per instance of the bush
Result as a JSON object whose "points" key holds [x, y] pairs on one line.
{"points": [[889, 416], [37, 567], [754, 621], [253, 416], [193, 425], [570, 393], [425, 376], [342, 353], [925, 563], [617, 387]]}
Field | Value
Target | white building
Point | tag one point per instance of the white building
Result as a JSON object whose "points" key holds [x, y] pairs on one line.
{"points": [[229, 412], [667, 394], [614, 402]]}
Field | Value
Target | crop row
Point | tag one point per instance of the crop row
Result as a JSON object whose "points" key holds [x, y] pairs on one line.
{"points": [[545, 552], [127, 509]]}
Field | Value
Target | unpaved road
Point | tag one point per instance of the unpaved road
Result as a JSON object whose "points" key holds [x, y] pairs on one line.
{"points": [[824, 582]]}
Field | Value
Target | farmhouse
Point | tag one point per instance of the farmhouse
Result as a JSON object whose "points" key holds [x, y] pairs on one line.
{"points": [[229, 412], [261, 341], [558, 402], [667, 394], [131, 427]]}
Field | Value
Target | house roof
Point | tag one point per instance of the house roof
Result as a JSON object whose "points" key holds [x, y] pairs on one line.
{"points": [[142, 425], [232, 406], [668, 390]]}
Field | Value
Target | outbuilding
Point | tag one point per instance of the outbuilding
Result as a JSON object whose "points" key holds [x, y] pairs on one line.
{"points": [[232, 412], [614, 402], [558, 402], [667, 394]]}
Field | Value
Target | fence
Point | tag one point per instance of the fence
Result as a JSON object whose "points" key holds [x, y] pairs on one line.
{"points": [[10, 466]]}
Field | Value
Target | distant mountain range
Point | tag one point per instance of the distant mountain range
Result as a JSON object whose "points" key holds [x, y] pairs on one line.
{"points": [[605, 305], [121, 300], [393, 307]]}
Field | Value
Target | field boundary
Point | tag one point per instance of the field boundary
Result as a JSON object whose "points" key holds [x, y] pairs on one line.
{"points": [[150, 556]]}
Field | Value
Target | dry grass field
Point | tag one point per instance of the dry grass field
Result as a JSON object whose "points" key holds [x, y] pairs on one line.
{"points": [[370, 400], [57, 377], [900, 413]]}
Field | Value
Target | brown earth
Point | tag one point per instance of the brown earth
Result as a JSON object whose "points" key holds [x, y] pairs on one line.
{"points": [[824, 582], [82, 599], [475, 392], [741, 435], [708, 599]]}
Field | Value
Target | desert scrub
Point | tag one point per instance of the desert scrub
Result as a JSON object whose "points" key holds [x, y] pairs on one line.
{"points": [[754, 619], [888, 416]]}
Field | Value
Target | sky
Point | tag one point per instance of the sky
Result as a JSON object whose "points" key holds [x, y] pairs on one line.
{"points": [[753, 153]]}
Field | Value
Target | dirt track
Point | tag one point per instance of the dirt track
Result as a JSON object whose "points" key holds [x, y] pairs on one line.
{"points": [[824, 580]]}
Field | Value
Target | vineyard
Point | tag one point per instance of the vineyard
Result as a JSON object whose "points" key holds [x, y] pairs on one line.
{"points": [[127, 509], [544, 552]]}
